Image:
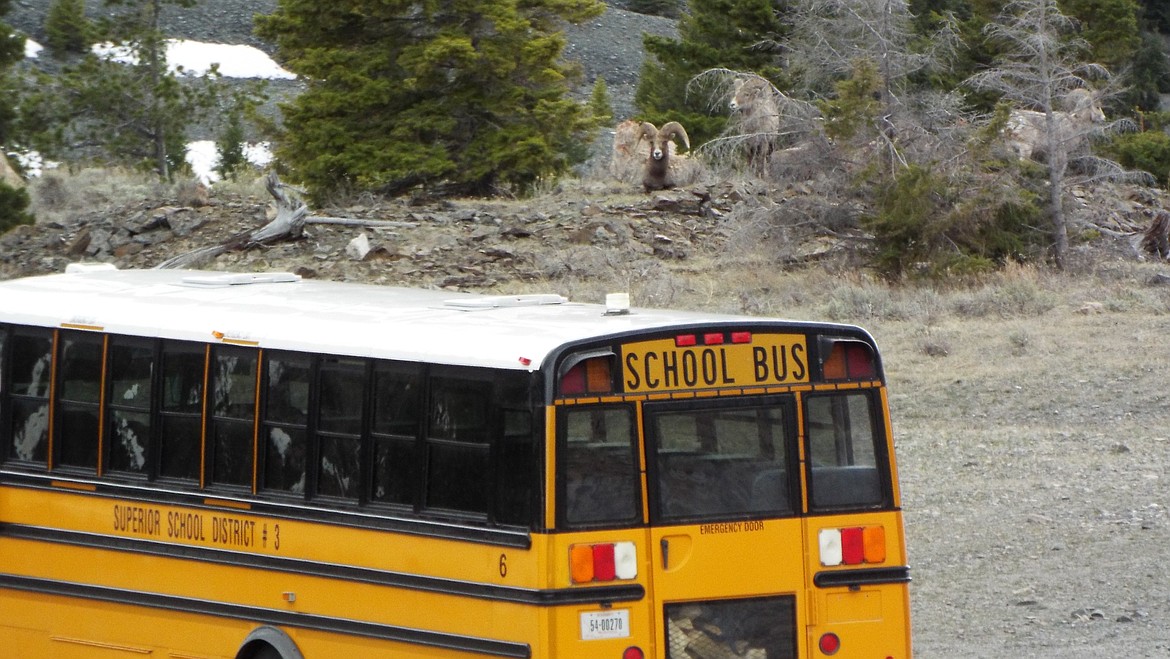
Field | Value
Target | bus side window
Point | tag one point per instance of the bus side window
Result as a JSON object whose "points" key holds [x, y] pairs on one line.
{"points": [[28, 394], [516, 455], [128, 420], [79, 385], [181, 410], [396, 427], [599, 466], [842, 450], [458, 445], [340, 398], [233, 408], [284, 431]]}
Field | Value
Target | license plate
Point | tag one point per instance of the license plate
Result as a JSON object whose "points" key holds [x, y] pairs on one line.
{"points": [[596, 625]]}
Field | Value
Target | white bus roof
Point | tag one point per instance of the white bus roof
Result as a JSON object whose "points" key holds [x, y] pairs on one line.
{"points": [[284, 312]]}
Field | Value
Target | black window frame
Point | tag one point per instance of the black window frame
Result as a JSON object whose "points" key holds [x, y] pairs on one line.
{"points": [[113, 405], [563, 468], [880, 453], [787, 402], [165, 414], [270, 422], [215, 422], [67, 434], [12, 399]]}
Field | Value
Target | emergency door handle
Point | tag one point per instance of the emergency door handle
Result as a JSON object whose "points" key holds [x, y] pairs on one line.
{"points": [[665, 544]]}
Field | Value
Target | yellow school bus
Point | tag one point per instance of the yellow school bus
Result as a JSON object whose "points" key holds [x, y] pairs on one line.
{"points": [[256, 466]]}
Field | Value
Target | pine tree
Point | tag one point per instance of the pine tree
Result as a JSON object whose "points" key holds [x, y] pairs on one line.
{"points": [[67, 30], [11, 52], [14, 202], [732, 34], [132, 111], [600, 105], [229, 146], [461, 97], [1110, 27]]}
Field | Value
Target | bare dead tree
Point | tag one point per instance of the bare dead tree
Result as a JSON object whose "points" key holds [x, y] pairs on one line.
{"points": [[831, 39], [1040, 70], [289, 222]]}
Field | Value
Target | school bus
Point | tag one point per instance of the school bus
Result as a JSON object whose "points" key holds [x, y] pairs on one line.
{"points": [[256, 466]]}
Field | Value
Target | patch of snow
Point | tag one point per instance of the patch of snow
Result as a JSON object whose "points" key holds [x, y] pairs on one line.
{"points": [[195, 58], [203, 156]]}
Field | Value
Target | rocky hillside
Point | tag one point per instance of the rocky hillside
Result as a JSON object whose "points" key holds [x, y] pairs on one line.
{"points": [[586, 232]]}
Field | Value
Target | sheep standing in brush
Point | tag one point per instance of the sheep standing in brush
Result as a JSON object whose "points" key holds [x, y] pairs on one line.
{"points": [[658, 175], [756, 117], [1028, 132]]}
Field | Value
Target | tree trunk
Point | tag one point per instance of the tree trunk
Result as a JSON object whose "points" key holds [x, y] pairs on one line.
{"points": [[288, 223]]}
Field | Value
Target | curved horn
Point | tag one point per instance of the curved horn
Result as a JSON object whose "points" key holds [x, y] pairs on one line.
{"points": [[648, 132], [674, 130]]}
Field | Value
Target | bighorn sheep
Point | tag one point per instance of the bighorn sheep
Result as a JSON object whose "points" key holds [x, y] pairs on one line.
{"points": [[756, 115], [657, 175], [1027, 133]]}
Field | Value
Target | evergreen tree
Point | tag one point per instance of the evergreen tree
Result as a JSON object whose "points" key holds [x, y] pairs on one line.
{"points": [[14, 202], [1149, 75], [67, 30], [1156, 14], [600, 106], [466, 97], [11, 52], [734, 34], [229, 146], [127, 106], [1110, 27]]}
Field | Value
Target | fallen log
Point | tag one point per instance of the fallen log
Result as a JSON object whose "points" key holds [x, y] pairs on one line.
{"points": [[289, 223], [1156, 239]]}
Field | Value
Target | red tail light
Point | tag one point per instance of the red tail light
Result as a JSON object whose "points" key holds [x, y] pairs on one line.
{"points": [[603, 568], [852, 547]]}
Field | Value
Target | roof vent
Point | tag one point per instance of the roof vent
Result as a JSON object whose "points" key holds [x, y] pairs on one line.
{"points": [[82, 268], [500, 301], [240, 279]]}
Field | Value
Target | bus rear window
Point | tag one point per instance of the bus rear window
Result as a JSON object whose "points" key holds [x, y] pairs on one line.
{"points": [[843, 449], [721, 460], [599, 466]]}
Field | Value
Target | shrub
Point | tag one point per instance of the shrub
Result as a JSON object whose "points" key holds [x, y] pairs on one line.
{"points": [[13, 207], [1148, 151]]}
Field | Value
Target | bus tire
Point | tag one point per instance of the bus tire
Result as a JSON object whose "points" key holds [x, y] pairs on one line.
{"points": [[268, 643]]}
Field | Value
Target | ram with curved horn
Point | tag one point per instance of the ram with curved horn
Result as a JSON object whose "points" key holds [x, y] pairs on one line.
{"points": [[657, 175]]}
